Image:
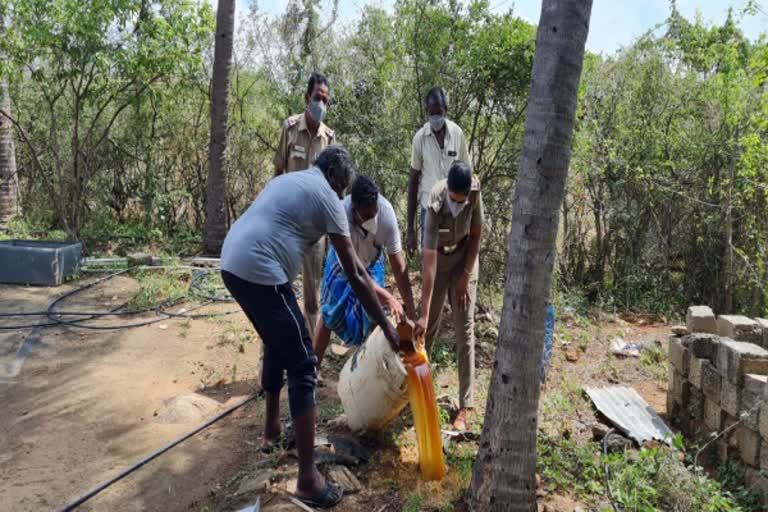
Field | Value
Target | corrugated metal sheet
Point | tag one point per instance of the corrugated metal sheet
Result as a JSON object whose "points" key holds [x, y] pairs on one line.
{"points": [[630, 413]]}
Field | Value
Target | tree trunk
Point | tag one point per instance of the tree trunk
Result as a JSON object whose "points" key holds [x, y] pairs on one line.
{"points": [[503, 477], [216, 213], [9, 181]]}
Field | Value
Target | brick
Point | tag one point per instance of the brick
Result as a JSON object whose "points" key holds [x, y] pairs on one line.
{"points": [[695, 412], [735, 358], [732, 437], [701, 319], [702, 345], [730, 397], [764, 456], [740, 328], [711, 381], [762, 324], [728, 445], [751, 399], [750, 476], [749, 446], [763, 423], [713, 416], [679, 356], [694, 371], [723, 451], [673, 409], [681, 388], [759, 486]]}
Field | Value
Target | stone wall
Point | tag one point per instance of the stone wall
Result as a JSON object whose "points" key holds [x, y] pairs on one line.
{"points": [[718, 378]]}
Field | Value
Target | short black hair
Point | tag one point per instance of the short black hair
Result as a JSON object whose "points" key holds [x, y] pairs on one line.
{"points": [[314, 79], [365, 193], [335, 162], [437, 94], [460, 178]]}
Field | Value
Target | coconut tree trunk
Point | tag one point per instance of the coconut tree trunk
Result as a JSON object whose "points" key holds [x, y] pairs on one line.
{"points": [[9, 181], [216, 214], [503, 477]]}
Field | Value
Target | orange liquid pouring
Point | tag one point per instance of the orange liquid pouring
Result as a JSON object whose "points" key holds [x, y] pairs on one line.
{"points": [[421, 394]]}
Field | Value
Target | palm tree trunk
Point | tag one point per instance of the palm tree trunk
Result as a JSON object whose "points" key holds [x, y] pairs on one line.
{"points": [[9, 182], [216, 214], [503, 477]]}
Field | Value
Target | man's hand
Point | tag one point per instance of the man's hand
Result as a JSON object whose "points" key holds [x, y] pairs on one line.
{"points": [[462, 293], [411, 244], [391, 334], [393, 305], [420, 329]]}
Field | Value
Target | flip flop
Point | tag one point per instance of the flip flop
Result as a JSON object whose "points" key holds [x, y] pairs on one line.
{"points": [[330, 497]]}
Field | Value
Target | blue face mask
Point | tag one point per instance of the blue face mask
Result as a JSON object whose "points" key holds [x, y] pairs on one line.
{"points": [[317, 110]]}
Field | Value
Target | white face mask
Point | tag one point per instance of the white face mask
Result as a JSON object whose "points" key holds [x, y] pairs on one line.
{"points": [[437, 122], [455, 207], [371, 225]]}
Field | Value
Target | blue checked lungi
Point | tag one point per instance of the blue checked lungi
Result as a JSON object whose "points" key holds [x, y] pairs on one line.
{"points": [[341, 310]]}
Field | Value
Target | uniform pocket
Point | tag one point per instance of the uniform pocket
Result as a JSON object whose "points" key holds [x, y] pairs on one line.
{"points": [[445, 235]]}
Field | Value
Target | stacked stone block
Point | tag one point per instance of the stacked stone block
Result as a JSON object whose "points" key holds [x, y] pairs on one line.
{"points": [[718, 378]]}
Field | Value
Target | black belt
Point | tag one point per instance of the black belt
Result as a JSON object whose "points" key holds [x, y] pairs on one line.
{"points": [[447, 250]]}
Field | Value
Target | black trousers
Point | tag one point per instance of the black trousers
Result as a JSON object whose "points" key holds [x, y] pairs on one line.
{"points": [[276, 316]]}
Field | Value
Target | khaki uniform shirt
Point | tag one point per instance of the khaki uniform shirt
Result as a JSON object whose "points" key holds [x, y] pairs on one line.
{"points": [[297, 148], [441, 229], [434, 162]]}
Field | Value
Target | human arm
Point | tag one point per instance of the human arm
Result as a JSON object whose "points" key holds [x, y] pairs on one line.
{"points": [[390, 301], [411, 242], [281, 155], [400, 270], [429, 271]]}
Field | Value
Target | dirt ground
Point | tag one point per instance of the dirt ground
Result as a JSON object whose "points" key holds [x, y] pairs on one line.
{"points": [[85, 405], [82, 406]]}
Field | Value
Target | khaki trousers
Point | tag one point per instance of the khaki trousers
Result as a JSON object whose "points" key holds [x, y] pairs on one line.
{"points": [[449, 270], [312, 278]]}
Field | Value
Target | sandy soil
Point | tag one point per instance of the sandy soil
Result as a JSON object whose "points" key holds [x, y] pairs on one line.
{"points": [[83, 405]]}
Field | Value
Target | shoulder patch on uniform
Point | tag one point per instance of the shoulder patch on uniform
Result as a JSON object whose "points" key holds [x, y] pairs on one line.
{"points": [[290, 121], [331, 133], [437, 195], [475, 185]]}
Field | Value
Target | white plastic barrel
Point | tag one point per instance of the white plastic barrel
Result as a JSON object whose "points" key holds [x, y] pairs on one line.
{"points": [[373, 385]]}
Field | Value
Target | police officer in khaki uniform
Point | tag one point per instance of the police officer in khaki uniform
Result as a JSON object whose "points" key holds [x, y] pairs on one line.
{"points": [[302, 138], [451, 244], [435, 147]]}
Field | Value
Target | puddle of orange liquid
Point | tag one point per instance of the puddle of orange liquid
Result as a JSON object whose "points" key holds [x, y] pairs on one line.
{"points": [[421, 394]]}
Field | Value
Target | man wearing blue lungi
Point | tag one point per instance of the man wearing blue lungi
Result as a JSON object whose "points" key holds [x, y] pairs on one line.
{"points": [[374, 230]]}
